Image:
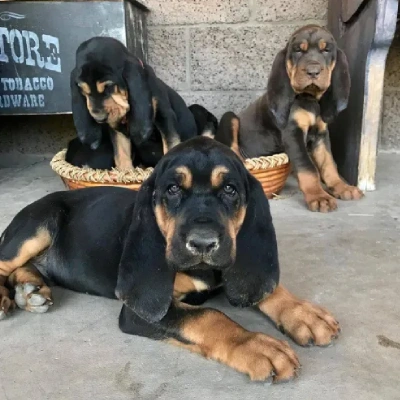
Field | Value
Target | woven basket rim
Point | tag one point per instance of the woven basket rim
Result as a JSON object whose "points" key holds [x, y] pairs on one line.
{"points": [[138, 175]]}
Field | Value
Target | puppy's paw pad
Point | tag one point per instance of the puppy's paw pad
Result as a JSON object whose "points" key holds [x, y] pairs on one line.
{"points": [[33, 298]]}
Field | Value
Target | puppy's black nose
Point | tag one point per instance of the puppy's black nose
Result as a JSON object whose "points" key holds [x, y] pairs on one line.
{"points": [[313, 70], [203, 242]]}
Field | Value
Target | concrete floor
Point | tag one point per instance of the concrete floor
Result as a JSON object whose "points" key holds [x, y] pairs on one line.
{"points": [[347, 261]]}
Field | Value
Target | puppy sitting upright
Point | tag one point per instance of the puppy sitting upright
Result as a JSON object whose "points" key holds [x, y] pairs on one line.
{"points": [[308, 86], [111, 86]]}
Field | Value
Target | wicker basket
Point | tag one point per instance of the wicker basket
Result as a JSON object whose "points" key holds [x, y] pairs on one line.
{"points": [[271, 171]]}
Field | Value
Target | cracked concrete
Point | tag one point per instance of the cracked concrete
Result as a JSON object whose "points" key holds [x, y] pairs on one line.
{"points": [[348, 261]]}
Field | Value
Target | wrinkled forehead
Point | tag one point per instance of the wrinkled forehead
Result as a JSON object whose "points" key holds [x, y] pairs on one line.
{"points": [[93, 78], [313, 35], [197, 170]]}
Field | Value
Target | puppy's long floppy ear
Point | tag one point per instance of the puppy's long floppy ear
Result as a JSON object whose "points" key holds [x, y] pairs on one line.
{"points": [[140, 100], [145, 282], [335, 99], [280, 94], [88, 130], [255, 272]]}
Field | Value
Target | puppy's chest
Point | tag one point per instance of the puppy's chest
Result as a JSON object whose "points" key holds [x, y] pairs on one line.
{"points": [[314, 135]]}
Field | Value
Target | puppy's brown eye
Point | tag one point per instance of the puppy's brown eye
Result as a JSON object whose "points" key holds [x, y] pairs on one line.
{"points": [[230, 190], [173, 190]]}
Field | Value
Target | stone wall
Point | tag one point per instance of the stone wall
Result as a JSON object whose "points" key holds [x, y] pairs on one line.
{"points": [[215, 53], [390, 130], [219, 53]]}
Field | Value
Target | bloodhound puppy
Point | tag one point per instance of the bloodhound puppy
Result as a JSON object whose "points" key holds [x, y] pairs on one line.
{"points": [[199, 222], [308, 86], [82, 155], [110, 86]]}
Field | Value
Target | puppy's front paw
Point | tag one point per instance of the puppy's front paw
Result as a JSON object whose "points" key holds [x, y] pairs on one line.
{"points": [[320, 201], [308, 324], [344, 191], [261, 356], [33, 298]]}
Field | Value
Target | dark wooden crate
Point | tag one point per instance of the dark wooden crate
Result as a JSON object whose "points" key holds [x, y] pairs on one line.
{"points": [[36, 80]]}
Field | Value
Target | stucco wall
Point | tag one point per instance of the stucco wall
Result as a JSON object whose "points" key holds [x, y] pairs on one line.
{"points": [[216, 53]]}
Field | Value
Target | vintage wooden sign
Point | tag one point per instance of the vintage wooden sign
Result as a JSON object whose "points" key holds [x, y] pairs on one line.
{"points": [[38, 41]]}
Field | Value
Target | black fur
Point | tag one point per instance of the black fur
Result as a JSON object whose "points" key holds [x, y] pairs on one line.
{"points": [[155, 108], [107, 241]]}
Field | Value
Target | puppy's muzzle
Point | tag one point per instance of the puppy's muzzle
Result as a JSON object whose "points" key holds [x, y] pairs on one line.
{"points": [[202, 242], [313, 70]]}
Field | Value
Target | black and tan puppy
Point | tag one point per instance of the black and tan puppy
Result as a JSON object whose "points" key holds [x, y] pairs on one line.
{"points": [[200, 221], [206, 122], [308, 86], [82, 155], [111, 86]]}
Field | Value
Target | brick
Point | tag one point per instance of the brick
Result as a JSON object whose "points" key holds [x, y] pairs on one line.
{"points": [[167, 55], [235, 58], [183, 12], [390, 134], [220, 102], [290, 10]]}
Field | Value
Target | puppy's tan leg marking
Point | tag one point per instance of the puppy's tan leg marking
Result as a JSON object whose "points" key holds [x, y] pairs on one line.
{"points": [[315, 196], [235, 137], [185, 284], [307, 324], [122, 151], [329, 173], [31, 292], [304, 119], [28, 249], [169, 144], [215, 336]]}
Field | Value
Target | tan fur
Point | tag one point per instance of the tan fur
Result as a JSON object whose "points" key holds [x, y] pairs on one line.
{"points": [[235, 137], [186, 176], [315, 196], [304, 45], [217, 175], [321, 125], [116, 106], [29, 249], [122, 151], [154, 103], [85, 88], [301, 320], [101, 86], [167, 226], [330, 175], [213, 335], [174, 140], [322, 44], [29, 274], [185, 284], [304, 119]]}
